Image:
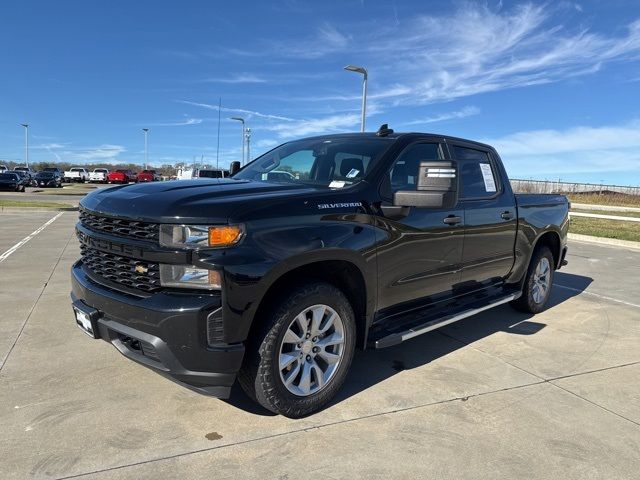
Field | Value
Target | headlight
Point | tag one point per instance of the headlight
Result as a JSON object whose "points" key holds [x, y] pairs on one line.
{"points": [[198, 236], [187, 276]]}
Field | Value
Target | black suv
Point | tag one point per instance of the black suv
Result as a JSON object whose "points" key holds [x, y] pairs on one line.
{"points": [[48, 179]]}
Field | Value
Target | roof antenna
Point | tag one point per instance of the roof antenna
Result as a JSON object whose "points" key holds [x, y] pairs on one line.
{"points": [[384, 130]]}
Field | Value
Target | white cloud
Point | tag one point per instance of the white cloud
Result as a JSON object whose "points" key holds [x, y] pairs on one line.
{"points": [[476, 49], [102, 153], [457, 114], [267, 143], [316, 126], [480, 50], [393, 91], [327, 39], [237, 110], [186, 121], [573, 150], [240, 78]]}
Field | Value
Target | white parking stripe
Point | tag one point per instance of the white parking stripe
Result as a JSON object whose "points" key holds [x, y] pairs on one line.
{"points": [[604, 297], [6, 254]]}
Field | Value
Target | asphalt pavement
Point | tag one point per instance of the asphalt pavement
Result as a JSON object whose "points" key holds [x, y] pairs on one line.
{"points": [[501, 395]]}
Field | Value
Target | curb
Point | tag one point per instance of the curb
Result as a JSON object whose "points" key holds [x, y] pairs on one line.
{"points": [[618, 218], [603, 208], [604, 241], [37, 209]]}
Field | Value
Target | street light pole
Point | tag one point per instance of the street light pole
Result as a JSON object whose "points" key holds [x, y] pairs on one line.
{"points": [[248, 137], [363, 71], [146, 147], [26, 143], [241, 120]]}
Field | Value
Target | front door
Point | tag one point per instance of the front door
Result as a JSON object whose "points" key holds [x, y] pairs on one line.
{"points": [[419, 259]]}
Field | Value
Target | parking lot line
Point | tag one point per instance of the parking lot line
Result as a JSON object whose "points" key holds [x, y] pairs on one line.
{"points": [[8, 253], [603, 297]]}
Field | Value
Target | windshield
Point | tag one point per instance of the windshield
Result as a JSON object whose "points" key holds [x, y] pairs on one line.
{"points": [[330, 162], [45, 175], [77, 170], [8, 176]]}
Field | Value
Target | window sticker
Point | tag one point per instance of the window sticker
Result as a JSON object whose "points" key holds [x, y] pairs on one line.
{"points": [[337, 184], [353, 173], [487, 175]]}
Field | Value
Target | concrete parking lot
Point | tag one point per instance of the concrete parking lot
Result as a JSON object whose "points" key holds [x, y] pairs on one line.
{"points": [[500, 395]]}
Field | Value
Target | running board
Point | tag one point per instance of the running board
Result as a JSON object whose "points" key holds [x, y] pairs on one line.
{"points": [[397, 338]]}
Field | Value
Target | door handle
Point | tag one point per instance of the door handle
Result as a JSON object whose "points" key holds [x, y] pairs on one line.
{"points": [[506, 215], [452, 219]]}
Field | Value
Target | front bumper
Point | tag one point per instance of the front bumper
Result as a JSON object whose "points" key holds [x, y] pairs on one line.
{"points": [[164, 331]]}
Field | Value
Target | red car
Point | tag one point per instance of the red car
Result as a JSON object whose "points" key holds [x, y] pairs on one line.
{"points": [[122, 176], [148, 176]]}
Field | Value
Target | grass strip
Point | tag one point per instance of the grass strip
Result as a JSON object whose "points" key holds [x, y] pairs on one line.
{"points": [[599, 227]]}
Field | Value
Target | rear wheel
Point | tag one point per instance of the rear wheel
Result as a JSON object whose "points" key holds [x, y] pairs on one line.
{"points": [[300, 358], [537, 284]]}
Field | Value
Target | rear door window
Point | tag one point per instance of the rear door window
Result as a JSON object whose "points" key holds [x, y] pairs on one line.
{"points": [[478, 178]]}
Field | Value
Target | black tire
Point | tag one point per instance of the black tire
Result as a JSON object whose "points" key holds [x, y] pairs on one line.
{"points": [[260, 376], [527, 302]]}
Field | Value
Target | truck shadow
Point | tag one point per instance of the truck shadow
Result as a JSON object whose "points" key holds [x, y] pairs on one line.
{"points": [[371, 366]]}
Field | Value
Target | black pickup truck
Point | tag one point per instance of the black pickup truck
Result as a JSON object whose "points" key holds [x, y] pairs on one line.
{"points": [[274, 275]]}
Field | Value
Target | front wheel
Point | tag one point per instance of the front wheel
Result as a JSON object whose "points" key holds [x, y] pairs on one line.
{"points": [[299, 359], [537, 284]]}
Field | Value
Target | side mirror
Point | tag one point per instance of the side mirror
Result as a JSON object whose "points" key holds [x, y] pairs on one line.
{"points": [[437, 187], [234, 167]]}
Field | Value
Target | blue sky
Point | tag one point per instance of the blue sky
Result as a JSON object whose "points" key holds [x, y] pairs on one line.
{"points": [[554, 86]]}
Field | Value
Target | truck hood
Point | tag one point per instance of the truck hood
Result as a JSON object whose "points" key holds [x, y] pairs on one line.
{"points": [[197, 201]]}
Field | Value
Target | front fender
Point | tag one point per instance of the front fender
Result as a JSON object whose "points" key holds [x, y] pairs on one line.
{"points": [[272, 250]]}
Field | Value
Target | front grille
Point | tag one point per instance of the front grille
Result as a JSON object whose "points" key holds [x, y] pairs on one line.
{"points": [[118, 226], [122, 270]]}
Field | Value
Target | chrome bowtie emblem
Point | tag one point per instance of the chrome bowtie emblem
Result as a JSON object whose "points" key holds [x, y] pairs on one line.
{"points": [[141, 269]]}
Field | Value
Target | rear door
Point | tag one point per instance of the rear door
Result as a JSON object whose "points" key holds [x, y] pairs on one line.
{"points": [[419, 260], [490, 216]]}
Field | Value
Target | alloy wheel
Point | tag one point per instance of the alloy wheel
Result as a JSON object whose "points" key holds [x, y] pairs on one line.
{"points": [[311, 350], [541, 280]]}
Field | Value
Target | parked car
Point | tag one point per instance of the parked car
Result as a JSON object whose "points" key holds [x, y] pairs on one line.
{"points": [[11, 181], [31, 174], [277, 176], [122, 176], [24, 179], [213, 173], [48, 179], [148, 176], [375, 239], [3, 168], [99, 175], [76, 174]]}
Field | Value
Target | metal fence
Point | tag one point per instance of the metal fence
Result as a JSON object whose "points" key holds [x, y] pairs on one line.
{"points": [[545, 186]]}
